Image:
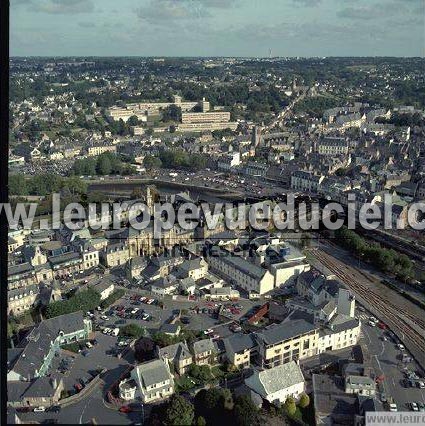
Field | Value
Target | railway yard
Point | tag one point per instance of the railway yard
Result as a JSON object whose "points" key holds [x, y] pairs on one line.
{"points": [[402, 316]]}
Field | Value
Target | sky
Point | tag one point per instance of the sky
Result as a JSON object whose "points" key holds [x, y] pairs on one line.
{"points": [[217, 28]]}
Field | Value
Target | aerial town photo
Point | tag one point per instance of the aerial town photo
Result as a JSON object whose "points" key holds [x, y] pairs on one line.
{"points": [[216, 213]]}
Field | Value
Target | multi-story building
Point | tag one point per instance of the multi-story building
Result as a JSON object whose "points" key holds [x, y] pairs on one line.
{"points": [[302, 180], [240, 349], [21, 299], [178, 356], [44, 341], [290, 340], [332, 146], [205, 117], [116, 254], [97, 149], [241, 272], [204, 352]]}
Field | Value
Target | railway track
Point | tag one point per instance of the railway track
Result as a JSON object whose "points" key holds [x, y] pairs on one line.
{"points": [[406, 323]]}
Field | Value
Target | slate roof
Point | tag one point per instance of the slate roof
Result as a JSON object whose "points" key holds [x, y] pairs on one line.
{"points": [[179, 351], [240, 342], [202, 346], [19, 269], [287, 330], [153, 372], [274, 379], [40, 338], [239, 263]]}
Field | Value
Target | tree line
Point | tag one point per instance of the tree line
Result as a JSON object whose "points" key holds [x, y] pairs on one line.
{"points": [[387, 260], [104, 164]]}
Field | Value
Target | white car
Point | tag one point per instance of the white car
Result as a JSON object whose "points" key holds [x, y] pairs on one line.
{"points": [[106, 330], [400, 346], [372, 324], [145, 317], [104, 318], [209, 331], [393, 407], [89, 345], [414, 406], [40, 409]]}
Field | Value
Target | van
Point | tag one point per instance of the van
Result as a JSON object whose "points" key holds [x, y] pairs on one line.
{"points": [[115, 332]]}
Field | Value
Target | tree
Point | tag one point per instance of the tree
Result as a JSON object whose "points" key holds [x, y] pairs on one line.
{"points": [[151, 162], [245, 413], [290, 406], [103, 166], [172, 113], [133, 330], [200, 421], [17, 185], [85, 300], [133, 120], [179, 411], [304, 401]]}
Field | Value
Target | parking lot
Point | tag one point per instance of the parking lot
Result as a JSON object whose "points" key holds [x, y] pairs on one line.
{"points": [[82, 366], [196, 315], [387, 359]]}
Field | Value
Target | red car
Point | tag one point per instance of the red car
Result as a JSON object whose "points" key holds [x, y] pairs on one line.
{"points": [[78, 387], [125, 409], [382, 326]]}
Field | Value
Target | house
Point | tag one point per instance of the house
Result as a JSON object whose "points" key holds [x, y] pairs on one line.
{"points": [[115, 254], [195, 268], [178, 356], [42, 391], [170, 329], [151, 381], [222, 293], [187, 285], [22, 299], [135, 266], [104, 287], [341, 332], [278, 383], [239, 349], [163, 286], [44, 341], [360, 385], [204, 352]]}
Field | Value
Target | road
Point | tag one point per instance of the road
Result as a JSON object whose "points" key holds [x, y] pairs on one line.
{"points": [[385, 357]]}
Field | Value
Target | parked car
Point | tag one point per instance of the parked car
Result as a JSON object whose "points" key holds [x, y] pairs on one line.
{"points": [[39, 409], [413, 406], [393, 407]]}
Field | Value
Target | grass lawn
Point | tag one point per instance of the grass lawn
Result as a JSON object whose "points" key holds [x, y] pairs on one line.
{"points": [[185, 383], [72, 347]]}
